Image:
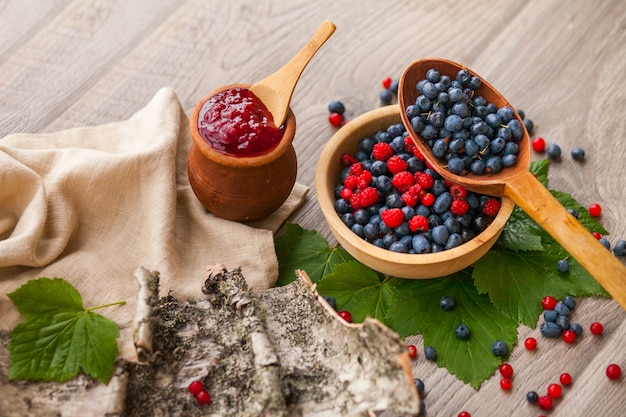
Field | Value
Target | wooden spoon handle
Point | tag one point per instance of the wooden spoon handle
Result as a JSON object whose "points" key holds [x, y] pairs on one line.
{"points": [[535, 199], [276, 89]]}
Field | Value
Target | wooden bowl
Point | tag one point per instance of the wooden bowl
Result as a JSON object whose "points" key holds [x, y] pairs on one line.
{"points": [[241, 188], [402, 265]]}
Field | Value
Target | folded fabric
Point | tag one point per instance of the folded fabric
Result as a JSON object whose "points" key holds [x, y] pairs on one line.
{"points": [[91, 205]]}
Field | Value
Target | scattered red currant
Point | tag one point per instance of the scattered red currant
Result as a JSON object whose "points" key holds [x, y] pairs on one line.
{"points": [[386, 82], [506, 370], [412, 351], [565, 378], [203, 398], [548, 302], [597, 235], [596, 328], [464, 414], [545, 402], [595, 210], [555, 390], [539, 144], [530, 343], [613, 371], [568, 336], [506, 384], [195, 387], [335, 119], [345, 315]]}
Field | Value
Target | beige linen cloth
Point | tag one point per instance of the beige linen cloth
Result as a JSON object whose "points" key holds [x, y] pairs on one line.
{"points": [[91, 205]]}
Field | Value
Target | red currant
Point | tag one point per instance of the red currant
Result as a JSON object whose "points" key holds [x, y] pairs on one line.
{"points": [[613, 371], [548, 302], [412, 351], [506, 383], [596, 328], [568, 336], [386, 82], [555, 390], [565, 378], [539, 145], [597, 235], [464, 414], [545, 402], [530, 343], [345, 315], [428, 199], [595, 210], [506, 370], [335, 119], [195, 387], [203, 398]]}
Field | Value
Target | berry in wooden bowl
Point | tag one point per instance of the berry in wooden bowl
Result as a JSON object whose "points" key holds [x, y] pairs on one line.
{"points": [[393, 213], [240, 166]]}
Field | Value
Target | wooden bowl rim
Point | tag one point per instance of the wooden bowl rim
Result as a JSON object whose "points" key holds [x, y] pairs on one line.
{"points": [[234, 161], [364, 125]]}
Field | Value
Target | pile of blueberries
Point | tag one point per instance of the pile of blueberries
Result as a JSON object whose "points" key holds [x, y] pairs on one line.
{"points": [[557, 319], [461, 127], [445, 225]]}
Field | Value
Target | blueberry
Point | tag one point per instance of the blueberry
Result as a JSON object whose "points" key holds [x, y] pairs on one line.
{"points": [[562, 265], [456, 165], [570, 302], [562, 309], [499, 348], [550, 330], [550, 316], [462, 332], [529, 125], [358, 230], [453, 123], [342, 206], [447, 303], [394, 86], [371, 232], [573, 212], [532, 397], [386, 97], [605, 242], [442, 203], [477, 167], [361, 216], [398, 246], [348, 219], [454, 240], [578, 154], [563, 322], [440, 148], [554, 152], [506, 114], [576, 328], [517, 131], [493, 164], [419, 385], [331, 301], [336, 106], [430, 353], [509, 160], [440, 234], [421, 244], [620, 248]]}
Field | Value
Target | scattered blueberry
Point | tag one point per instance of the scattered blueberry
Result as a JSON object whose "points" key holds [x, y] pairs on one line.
{"points": [[570, 302], [336, 106], [331, 301], [446, 303], [386, 97], [430, 353], [500, 348], [563, 322], [462, 332], [605, 242], [576, 328], [550, 330], [562, 309], [419, 385], [578, 154], [562, 266], [554, 152], [532, 397], [620, 248]]}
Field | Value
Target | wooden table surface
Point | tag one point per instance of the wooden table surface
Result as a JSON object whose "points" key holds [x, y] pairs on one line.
{"points": [[67, 63]]}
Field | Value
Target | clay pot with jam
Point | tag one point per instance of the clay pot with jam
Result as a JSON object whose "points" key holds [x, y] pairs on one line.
{"points": [[243, 181]]}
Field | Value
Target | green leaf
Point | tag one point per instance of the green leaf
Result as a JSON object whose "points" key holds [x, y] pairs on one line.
{"points": [[417, 310], [298, 248], [520, 233], [540, 170], [359, 290], [58, 339]]}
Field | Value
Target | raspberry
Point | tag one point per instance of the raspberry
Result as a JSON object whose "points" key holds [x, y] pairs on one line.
{"points": [[415, 190], [409, 199], [348, 159], [369, 196], [335, 119], [356, 202], [365, 179], [403, 181], [392, 217], [459, 207], [426, 181], [418, 223], [356, 169], [491, 207], [410, 147], [396, 164], [382, 151], [457, 191], [351, 182]]}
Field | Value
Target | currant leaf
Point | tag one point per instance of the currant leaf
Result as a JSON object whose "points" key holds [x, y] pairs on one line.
{"points": [[298, 248], [59, 338]]}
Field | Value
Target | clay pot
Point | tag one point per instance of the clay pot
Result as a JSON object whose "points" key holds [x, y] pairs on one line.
{"points": [[241, 188]]}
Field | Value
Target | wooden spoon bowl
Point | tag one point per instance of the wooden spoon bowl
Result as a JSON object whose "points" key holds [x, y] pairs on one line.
{"points": [[402, 265], [519, 184]]}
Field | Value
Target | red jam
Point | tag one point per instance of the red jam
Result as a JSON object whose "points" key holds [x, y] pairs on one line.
{"points": [[237, 123]]}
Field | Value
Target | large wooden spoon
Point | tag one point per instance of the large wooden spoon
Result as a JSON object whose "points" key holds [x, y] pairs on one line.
{"points": [[520, 185], [275, 90]]}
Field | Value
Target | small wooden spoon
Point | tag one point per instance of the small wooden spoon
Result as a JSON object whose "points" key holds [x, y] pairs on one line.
{"points": [[519, 184], [275, 90]]}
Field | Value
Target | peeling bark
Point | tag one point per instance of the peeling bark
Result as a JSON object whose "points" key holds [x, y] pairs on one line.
{"points": [[142, 325]]}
